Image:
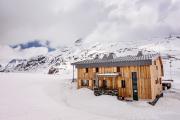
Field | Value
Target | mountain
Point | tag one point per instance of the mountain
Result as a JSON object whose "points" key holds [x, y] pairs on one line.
{"points": [[62, 58], [34, 43], [13, 65]]}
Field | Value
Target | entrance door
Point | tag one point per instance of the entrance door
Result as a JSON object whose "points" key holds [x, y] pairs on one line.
{"points": [[134, 85]]}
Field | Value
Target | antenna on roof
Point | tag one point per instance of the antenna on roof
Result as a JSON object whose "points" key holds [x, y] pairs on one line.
{"points": [[96, 57], [105, 57], [140, 53], [111, 56]]}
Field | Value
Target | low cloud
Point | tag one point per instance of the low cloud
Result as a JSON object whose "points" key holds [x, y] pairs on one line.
{"points": [[138, 20], [62, 21], [59, 21]]}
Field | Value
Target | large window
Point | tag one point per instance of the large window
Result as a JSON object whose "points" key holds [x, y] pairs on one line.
{"points": [[84, 82]]}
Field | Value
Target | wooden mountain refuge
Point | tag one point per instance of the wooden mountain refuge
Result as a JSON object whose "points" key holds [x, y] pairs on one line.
{"points": [[133, 77]]}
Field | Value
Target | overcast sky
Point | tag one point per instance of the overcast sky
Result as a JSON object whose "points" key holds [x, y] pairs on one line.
{"points": [[63, 21]]}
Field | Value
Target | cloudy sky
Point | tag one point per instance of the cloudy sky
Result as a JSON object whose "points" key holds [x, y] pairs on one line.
{"points": [[63, 21]]}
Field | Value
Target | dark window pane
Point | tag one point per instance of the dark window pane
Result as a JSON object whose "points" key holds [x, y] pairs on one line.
{"points": [[118, 69], [123, 83], [97, 69], [105, 85], [86, 70]]}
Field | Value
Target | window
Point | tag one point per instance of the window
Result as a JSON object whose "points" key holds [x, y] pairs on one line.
{"points": [[160, 81], [105, 84], [154, 62], [97, 70], [156, 81], [86, 70], [156, 67], [94, 82], [84, 82], [118, 69], [123, 85], [162, 72]]}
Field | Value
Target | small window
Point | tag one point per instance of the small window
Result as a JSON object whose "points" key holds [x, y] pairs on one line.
{"points": [[156, 67], [162, 72], [156, 81], [154, 62], [160, 81], [97, 70], [85, 82], [118, 69], [105, 84], [86, 70], [123, 85], [94, 82]]}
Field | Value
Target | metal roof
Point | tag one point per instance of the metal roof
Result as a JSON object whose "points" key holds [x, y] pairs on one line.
{"points": [[119, 61]]}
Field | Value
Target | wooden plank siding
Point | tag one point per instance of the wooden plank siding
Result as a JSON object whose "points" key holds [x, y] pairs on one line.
{"points": [[146, 75], [156, 77]]}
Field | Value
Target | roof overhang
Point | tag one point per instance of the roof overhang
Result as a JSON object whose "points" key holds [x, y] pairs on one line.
{"points": [[114, 64]]}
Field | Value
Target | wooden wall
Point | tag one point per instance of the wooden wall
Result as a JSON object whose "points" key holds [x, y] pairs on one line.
{"points": [[146, 75], [156, 77]]}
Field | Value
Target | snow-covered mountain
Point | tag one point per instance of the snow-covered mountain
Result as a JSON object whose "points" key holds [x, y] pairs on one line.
{"points": [[23, 51], [81, 49]]}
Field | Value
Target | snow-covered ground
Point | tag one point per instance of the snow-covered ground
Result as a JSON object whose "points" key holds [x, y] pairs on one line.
{"points": [[27, 96]]}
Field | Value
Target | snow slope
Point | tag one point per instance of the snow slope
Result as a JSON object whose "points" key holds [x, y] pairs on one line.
{"points": [[54, 97]]}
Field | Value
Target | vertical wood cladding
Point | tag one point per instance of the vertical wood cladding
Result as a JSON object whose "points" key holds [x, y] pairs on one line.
{"points": [[146, 76]]}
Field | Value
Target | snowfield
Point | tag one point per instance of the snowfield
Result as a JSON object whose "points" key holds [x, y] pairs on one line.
{"points": [[27, 96]]}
